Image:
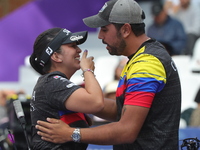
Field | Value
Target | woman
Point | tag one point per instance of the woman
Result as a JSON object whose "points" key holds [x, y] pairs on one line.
{"points": [[56, 57]]}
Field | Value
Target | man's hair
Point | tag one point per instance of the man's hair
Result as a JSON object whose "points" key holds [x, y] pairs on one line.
{"points": [[138, 29]]}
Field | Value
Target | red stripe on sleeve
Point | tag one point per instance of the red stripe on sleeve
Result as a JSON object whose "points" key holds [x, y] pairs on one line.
{"points": [[143, 99]]}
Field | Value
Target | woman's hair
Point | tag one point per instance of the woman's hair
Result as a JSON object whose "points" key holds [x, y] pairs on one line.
{"points": [[39, 47]]}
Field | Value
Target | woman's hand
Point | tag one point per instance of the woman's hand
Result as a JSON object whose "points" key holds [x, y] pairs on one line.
{"points": [[87, 62]]}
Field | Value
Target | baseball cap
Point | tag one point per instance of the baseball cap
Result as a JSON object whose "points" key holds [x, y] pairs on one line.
{"points": [[156, 8], [64, 36], [116, 11]]}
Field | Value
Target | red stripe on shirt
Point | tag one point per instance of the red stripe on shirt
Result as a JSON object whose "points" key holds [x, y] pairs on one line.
{"points": [[143, 99], [70, 118]]}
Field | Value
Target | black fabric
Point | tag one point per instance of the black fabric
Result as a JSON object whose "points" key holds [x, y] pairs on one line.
{"points": [[197, 97], [160, 129], [48, 98]]}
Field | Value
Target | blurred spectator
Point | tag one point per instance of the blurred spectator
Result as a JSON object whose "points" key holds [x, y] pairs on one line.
{"points": [[4, 100], [109, 91], [3, 110], [194, 118], [10, 120], [119, 68], [5, 141], [188, 14], [186, 115], [171, 6], [195, 59], [167, 30]]}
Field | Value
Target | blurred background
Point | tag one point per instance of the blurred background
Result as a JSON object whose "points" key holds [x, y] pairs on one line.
{"points": [[21, 21]]}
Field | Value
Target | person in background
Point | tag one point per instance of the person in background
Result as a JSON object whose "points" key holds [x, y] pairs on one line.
{"points": [[167, 30], [5, 95], [194, 118], [171, 6], [148, 93], [56, 57], [9, 122], [3, 110], [119, 68], [109, 92], [110, 89], [188, 14]]}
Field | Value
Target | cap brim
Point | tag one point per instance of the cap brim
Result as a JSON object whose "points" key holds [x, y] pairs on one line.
{"points": [[95, 22], [78, 37]]}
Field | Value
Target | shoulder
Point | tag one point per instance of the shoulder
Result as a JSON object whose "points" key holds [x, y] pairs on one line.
{"points": [[175, 21], [56, 76], [154, 50]]}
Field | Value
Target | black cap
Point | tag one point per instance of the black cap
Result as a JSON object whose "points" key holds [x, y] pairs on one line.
{"points": [[64, 36]]}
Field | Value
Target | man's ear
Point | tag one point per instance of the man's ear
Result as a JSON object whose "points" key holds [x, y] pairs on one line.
{"points": [[56, 57], [126, 30]]}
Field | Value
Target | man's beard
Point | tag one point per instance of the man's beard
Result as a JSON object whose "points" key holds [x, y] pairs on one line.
{"points": [[118, 47]]}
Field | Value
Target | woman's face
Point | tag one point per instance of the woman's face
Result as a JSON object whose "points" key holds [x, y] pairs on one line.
{"points": [[70, 56]]}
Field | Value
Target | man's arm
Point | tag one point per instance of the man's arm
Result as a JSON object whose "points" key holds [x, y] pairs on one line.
{"points": [[109, 112], [124, 131]]}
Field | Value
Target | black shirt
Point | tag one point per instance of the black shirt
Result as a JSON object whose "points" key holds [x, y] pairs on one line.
{"points": [[48, 100]]}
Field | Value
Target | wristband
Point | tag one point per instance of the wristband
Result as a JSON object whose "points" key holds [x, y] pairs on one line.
{"points": [[87, 70]]}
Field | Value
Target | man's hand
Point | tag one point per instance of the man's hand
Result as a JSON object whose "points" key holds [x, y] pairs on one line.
{"points": [[55, 131]]}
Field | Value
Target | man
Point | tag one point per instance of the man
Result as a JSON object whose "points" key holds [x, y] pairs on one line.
{"points": [[146, 111], [188, 14], [167, 30]]}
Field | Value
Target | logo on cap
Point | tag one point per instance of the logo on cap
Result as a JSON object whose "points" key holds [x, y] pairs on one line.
{"points": [[49, 51], [66, 31], [104, 6], [76, 38]]}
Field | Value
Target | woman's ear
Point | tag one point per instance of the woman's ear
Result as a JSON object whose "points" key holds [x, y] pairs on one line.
{"points": [[125, 30], [56, 57]]}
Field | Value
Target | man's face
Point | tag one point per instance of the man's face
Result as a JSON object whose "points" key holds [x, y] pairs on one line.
{"points": [[184, 3], [161, 17], [113, 39]]}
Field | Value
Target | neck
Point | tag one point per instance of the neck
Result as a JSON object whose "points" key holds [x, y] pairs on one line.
{"points": [[134, 43], [185, 6], [67, 73]]}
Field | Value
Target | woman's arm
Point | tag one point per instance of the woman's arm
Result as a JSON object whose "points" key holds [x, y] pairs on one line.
{"points": [[89, 99]]}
